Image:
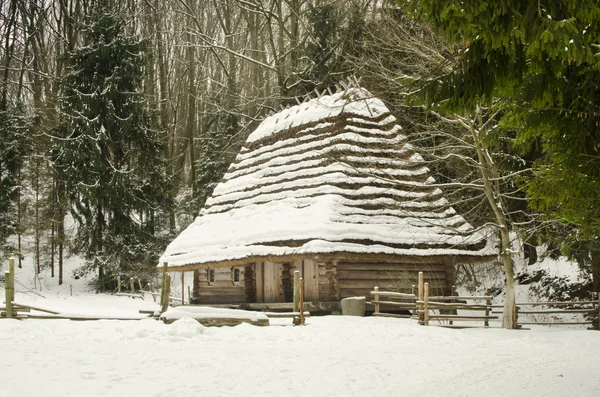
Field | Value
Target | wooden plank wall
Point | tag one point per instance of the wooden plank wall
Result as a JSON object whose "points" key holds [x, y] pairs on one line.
{"points": [[358, 279], [222, 290]]}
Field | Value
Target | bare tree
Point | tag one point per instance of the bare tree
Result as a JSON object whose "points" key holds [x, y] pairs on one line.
{"points": [[461, 149]]}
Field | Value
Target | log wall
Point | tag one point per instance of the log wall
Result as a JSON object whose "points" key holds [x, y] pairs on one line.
{"points": [[266, 282], [223, 289], [359, 278]]}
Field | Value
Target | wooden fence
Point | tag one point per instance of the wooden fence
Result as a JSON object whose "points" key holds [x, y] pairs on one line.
{"points": [[450, 309], [528, 313]]}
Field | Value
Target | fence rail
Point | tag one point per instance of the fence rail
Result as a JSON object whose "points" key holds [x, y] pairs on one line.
{"points": [[590, 307], [426, 308]]}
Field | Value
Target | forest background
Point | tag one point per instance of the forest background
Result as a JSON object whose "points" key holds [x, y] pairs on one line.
{"points": [[123, 115]]}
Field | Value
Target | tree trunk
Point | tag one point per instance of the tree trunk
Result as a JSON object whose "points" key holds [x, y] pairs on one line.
{"points": [[487, 169], [595, 254], [60, 226], [19, 229], [191, 107]]}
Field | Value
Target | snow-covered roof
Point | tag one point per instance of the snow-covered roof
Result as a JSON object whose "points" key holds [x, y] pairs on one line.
{"points": [[329, 176]]}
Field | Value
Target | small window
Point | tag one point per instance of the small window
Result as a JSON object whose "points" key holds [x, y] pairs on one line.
{"points": [[210, 274], [236, 275]]}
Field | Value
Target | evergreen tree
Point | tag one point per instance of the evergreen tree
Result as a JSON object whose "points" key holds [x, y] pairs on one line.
{"points": [[14, 146], [106, 154], [541, 59]]}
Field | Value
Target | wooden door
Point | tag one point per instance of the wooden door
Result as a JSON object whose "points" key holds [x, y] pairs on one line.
{"points": [[268, 282], [310, 271]]}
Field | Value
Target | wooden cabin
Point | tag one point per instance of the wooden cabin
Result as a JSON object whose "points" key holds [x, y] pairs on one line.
{"points": [[329, 188]]}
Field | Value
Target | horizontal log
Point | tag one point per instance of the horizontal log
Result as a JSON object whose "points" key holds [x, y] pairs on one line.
{"points": [[225, 322], [218, 284], [387, 285], [475, 308], [392, 315], [308, 306], [16, 316], [16, 309], [400, 275], [399, 295], [453, 317], [408, 305], [554, 323], [39, 309], [557, 311], [219, 299], [556, 303], [391, 266], [461, 306], [284, 314], [219, 291], [449, 298]]}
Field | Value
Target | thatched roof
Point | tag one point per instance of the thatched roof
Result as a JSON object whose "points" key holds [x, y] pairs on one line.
{"points": [[330, 176]]}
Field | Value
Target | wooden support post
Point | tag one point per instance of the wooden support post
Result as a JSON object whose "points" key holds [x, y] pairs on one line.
{"points": [[166, 294], [488, 303], [132, 285], [189, 294], [376, 301], [119, 284], [11, 269], [7, 295], [413, 289], [182, 288], [296, 291], [301, 301], [426, 305], [420, 305], [164, 280]]}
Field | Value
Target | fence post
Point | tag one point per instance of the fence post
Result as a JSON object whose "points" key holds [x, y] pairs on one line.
{"points": [[488, 303], [7, 293], [189, 294], [119, 284], [164, 280], [301, 301], [420, 305], [11, 269], [132, 285], [166, 294], [426, 305], [377, 300], [296, 291]]}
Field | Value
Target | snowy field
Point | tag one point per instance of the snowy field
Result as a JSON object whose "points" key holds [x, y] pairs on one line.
{"points": [[330, 356]]}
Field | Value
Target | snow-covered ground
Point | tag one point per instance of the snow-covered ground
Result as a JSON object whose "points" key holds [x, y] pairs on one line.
{"points": [[330, 356]]}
